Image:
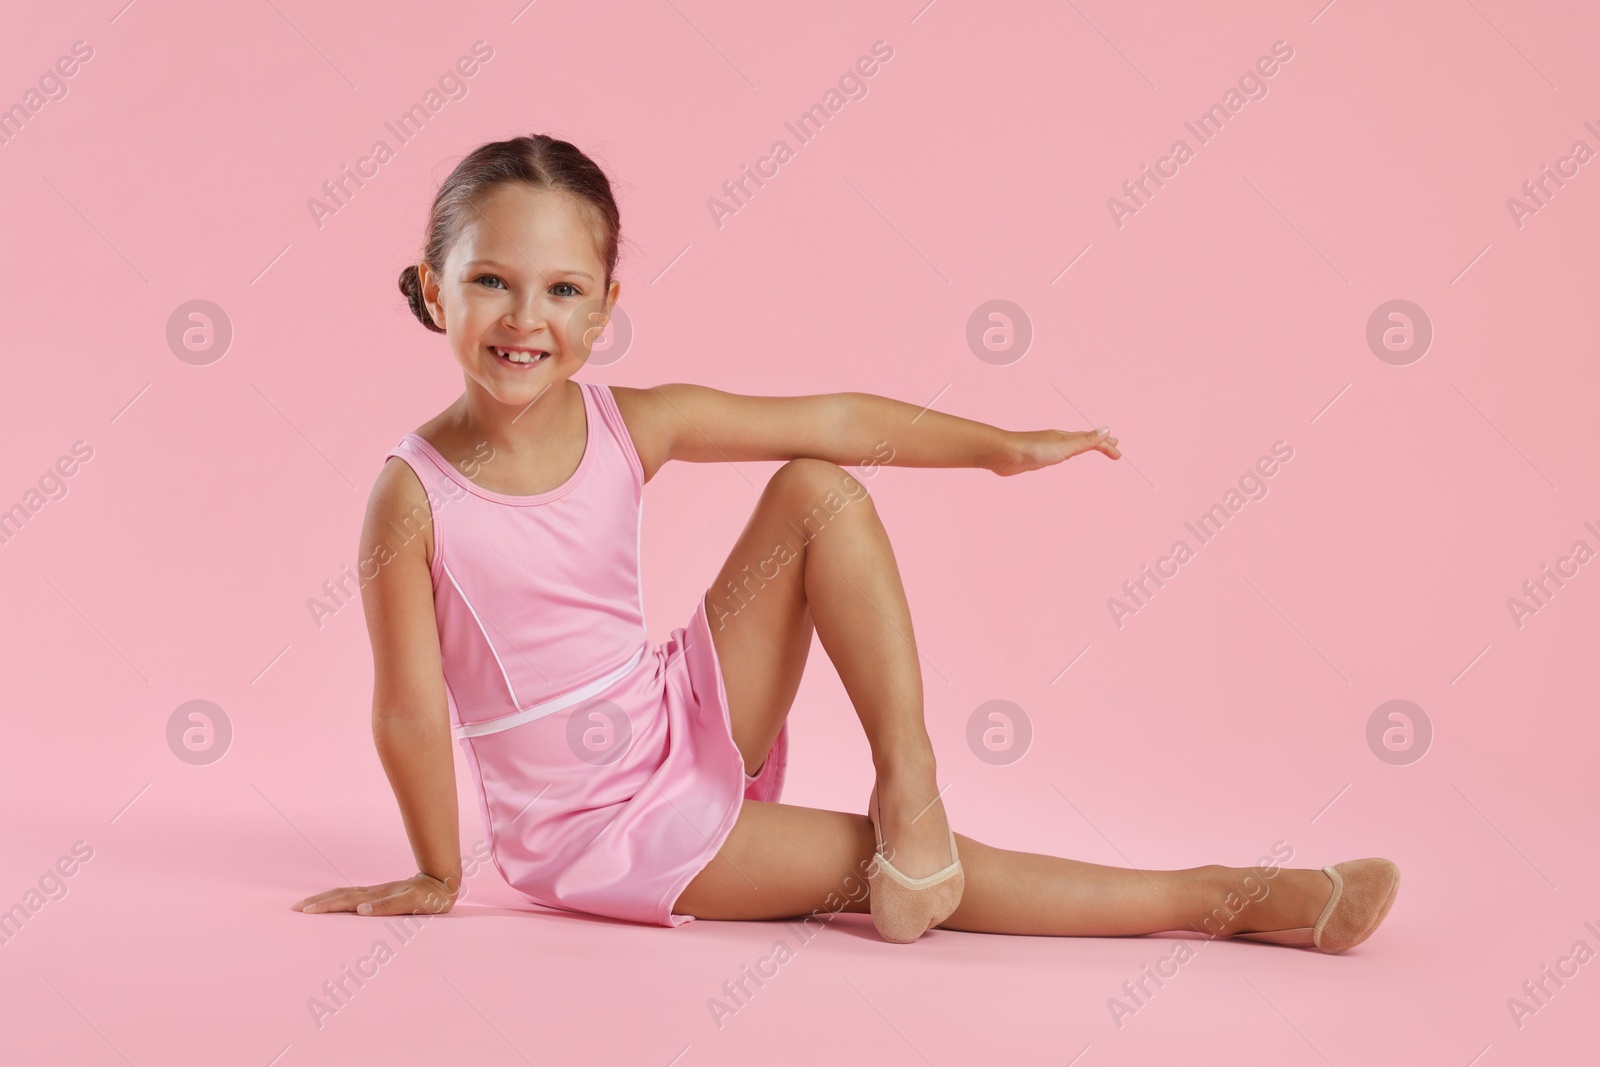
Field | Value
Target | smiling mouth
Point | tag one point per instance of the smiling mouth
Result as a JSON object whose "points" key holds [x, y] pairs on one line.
{"points": [[520, 357]]}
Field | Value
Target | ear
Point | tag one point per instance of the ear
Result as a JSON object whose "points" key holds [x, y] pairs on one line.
{"points": [[430, 293]]}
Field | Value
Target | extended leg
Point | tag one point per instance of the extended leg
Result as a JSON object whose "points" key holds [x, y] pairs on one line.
{"points": [[782, 861]]}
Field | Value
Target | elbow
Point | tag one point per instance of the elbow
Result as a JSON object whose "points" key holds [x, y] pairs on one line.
{"points": [[398, 719]]}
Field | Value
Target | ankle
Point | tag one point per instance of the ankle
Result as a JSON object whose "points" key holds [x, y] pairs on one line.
{"points": [[905, 763], [1238, 900]]}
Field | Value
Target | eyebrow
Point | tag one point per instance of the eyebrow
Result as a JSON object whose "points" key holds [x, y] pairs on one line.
{"points": [[495, 263]]}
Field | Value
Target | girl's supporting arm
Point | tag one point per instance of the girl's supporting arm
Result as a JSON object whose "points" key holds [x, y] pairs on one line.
{"points": [[410, 715]]}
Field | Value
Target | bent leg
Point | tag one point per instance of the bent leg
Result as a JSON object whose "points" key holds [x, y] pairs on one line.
{"points": [[760, 622], [782, 861], [815, 556]]}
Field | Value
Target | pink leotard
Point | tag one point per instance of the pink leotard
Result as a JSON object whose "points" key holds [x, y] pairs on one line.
{"points": [[605, 768]]}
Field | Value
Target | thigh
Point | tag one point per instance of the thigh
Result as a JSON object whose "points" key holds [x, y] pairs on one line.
{"points": [[781, 861], [759, 619]]}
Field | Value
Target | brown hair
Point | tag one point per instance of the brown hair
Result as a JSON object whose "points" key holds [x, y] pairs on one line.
{"points": [[538, 160]]}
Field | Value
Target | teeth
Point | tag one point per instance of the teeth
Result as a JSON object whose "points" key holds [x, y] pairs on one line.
{"points": [[521, 357]]}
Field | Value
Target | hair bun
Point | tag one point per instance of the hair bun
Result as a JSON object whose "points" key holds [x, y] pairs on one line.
{"points": [[411, 286]]}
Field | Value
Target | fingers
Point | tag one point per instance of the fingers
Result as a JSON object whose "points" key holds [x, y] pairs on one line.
{"points": [[1106, 443], [419, 894], [1098, 439], [313, 902], [400, 903], [391, 899], [346, 898]]}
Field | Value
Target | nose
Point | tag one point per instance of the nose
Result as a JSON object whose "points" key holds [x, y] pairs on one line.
{"points": [[528, 314]]}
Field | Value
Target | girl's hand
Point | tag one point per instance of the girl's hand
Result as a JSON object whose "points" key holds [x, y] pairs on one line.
{"points": [[1032, 449], [420, 894]]}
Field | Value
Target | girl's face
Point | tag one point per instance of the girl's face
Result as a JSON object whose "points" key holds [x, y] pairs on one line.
{"points": [[523, 278]]}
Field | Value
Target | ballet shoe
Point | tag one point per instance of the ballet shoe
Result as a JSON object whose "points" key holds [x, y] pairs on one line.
{"points": [[903, 908], [1363, 891]]}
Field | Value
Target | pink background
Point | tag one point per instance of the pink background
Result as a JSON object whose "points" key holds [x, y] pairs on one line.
{"points": [[1229, 313]]}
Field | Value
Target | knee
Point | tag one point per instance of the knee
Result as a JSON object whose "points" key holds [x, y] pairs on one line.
{"points": [[816, 483]]}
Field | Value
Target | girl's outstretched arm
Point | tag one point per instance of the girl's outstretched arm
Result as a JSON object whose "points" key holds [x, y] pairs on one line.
{"points": [[698, 424], [410, 715]]}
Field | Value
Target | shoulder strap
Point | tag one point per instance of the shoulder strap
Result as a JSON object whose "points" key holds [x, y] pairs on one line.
{"points": [[612, 415]]}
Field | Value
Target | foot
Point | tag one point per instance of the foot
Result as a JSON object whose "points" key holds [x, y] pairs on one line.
{"points": [[916, 835]]}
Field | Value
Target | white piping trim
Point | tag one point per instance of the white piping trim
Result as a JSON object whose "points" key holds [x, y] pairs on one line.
{"points": [[638, 546], [485, 632], [549, 707]]}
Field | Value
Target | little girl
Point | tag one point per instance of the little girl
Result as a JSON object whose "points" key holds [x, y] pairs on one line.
{"points": [[641, 782]]}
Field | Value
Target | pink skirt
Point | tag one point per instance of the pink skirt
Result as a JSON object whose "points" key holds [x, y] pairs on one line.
{"points": [[613, 805]]}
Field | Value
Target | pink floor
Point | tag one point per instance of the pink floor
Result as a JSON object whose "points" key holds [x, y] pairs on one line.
{"points": [[1411, 491]]}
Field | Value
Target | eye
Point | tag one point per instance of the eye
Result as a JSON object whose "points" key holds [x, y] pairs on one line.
{"points": [[568, 285], [495, 277]]}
